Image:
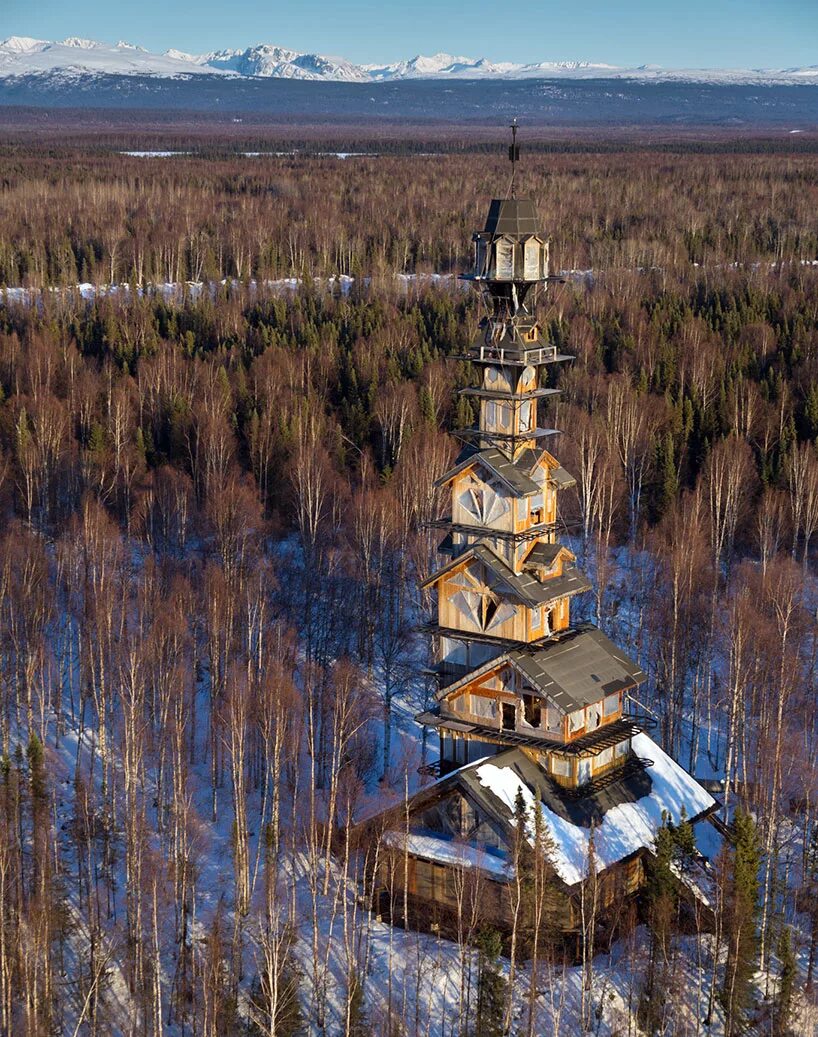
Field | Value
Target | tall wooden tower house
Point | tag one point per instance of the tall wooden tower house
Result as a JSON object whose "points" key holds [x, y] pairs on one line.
{"points": [[512, 668], [527, 698]]}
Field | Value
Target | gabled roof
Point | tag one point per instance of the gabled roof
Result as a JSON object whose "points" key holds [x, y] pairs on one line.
{"points": [[578, 668], [498, 464], [564, 480], [626, 814], [523, 587], [546, 554], [516, 474], [573, 669], [530, 458]]}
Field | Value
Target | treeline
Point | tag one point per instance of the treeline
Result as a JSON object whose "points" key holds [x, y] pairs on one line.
{"points": [[112, 218]]}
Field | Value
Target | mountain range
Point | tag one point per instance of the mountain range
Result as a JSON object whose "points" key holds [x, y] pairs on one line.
{"points": [[77, 60]]}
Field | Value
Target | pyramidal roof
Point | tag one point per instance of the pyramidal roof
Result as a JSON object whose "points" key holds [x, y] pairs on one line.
{"points": [[517, 216]]}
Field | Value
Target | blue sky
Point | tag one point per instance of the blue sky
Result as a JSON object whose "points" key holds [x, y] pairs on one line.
{"points": [[703, 33]]}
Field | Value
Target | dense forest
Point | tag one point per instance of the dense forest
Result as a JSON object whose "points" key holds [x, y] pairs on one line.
{"points": [[215, 488]]}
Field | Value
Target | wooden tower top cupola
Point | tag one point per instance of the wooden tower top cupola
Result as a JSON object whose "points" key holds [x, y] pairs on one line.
{"points": [[510, 270]]}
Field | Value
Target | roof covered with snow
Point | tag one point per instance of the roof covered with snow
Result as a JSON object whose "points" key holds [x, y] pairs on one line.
{"points": [[625, 828], [433, 847], [624, 817]]}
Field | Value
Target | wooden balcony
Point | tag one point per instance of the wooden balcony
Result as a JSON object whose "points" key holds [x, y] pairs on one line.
{"points": [[516, 355], [632, 765], [591, 744]]}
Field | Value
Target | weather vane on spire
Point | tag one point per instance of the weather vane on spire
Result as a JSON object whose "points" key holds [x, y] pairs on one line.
{"points": [[513, 153]]}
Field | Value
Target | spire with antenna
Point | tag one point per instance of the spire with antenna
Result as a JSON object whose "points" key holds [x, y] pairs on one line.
{"points": [[513, 154]]}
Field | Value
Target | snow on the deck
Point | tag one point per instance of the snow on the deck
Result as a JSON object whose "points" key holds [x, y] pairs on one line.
{"points": [[624, 829], [445, 851]]}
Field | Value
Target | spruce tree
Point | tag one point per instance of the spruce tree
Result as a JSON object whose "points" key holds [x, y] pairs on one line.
{"points": [[523, 854], [782, 1014], [811, 901], [741, 917], [661, 902], [666, 483], [811, 412], [684, 840], [491, 987]]}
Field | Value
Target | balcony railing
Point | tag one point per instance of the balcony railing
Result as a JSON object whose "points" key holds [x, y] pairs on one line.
{"points": [[632, 765], [517, 354]]}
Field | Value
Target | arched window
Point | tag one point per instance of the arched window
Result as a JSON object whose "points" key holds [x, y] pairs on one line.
{"points": [[504, 252], [526, 410], [532, 263]]}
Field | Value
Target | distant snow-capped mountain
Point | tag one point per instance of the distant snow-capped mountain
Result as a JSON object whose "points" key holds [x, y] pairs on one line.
{"points": [[76, 58], [270, 62], [73, 57]]}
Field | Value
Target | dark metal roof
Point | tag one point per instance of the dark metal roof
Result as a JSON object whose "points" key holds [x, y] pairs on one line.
{"points": [[517, 216], [544, 554], [509, 472], [572, 669], [578, 668], [499, 464], [523, 587], [572, 581], [563, 479], [528, 459], [517, 473]]}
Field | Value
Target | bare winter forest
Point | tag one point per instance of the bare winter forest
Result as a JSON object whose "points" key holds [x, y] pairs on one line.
{"points": [[215, 485]]}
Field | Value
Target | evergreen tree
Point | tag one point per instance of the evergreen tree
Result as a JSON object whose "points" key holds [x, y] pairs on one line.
{"points": [[741, 916], [289, 1018], [666, 484], [464, 413], [674, 849], [811, 901], [524, 864], [491, 987], [661, 902], [811, 412], [782, 1014], [684, 840]]}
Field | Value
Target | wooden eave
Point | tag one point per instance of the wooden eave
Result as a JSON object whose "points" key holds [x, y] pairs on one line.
{"points": [[563, 680], [497, 464], [522, 587]]}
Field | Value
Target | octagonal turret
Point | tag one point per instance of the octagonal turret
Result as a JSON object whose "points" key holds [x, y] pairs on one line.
{"points": [[512, 246]]}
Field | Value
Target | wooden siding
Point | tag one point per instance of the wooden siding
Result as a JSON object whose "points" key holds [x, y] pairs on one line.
{"points": [[434, 891]]}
